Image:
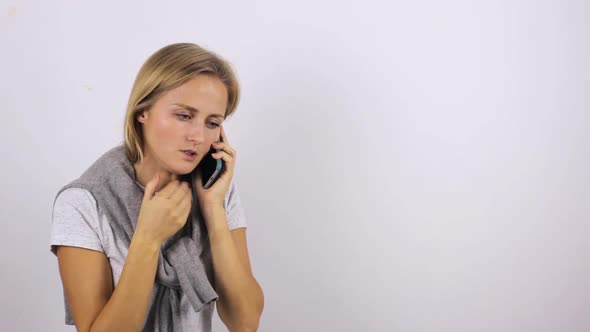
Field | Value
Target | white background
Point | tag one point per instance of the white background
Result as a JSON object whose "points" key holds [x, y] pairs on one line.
{"points": [[404, 166]]}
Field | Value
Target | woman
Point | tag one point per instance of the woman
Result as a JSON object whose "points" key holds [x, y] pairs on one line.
{"points": [[141, 245]]}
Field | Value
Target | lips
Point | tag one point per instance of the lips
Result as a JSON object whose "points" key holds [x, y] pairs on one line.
{"points": [[189, 155]]}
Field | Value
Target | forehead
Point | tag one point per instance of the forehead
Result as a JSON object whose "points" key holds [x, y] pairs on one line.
{"points": [[205, 93]]}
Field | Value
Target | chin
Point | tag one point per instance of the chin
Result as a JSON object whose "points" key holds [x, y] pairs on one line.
{"points": [[179, 168], [184, 170], [182, 167]]}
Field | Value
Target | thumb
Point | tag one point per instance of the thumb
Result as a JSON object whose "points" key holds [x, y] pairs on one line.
{"points": [[151, 186]]}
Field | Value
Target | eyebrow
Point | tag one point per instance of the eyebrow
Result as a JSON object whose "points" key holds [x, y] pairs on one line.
{"points": [[194, 110]]}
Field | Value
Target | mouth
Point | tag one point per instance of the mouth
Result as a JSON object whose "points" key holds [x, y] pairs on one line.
{"points": [[190, 154]]}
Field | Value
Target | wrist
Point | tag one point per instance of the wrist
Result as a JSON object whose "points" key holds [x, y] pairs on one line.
{"points": [[145, 243], [212, 205], [217, 228], [215, 219], [212, 210]]}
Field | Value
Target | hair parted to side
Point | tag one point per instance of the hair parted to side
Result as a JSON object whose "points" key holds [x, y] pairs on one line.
{"points": [[166, 69]]}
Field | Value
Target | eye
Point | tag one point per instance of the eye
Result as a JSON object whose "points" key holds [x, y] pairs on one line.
{"points": [[214, 124], [180, 116]]}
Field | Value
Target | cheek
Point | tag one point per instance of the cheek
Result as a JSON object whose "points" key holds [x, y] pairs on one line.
{"points": [[212, 137], [213, 134], [164, 131]]}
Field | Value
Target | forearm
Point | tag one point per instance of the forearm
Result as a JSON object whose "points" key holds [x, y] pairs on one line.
{"points": [[240, 302], [127, 308]]}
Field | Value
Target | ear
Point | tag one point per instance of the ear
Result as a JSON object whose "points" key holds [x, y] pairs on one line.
{"points": [[142, 116]]}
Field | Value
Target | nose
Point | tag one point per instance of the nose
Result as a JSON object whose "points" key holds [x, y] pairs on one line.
{"points": [[196, 134]]}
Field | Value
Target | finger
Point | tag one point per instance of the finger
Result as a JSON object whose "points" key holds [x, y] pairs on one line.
{"points": [[181, 192], [223, 155], [184, 206], [223, 136], [187, 202], [224, 147], [150, 187], [218, 145], [169, 190]]}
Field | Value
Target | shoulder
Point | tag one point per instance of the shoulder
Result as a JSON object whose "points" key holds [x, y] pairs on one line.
{"points": [[235, 212], [76, 206], [75, 220], [78, 198], [232, 192], [108, 167]]}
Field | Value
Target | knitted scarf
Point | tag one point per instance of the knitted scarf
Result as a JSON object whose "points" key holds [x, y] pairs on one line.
{"points": [[184, 265]]}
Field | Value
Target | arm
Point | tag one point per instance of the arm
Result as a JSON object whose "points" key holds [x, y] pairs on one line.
{"points": [[88, 284], [86, 274], [241, 299]]}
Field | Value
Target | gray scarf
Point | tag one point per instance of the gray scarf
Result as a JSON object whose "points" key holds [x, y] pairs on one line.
{"points": [[185, 264]]}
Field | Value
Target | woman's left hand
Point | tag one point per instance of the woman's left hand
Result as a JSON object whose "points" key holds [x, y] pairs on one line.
{"points": [[213, 197]]}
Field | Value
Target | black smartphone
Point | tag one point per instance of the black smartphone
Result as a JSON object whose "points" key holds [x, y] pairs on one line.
{"points": [[211, 168]]}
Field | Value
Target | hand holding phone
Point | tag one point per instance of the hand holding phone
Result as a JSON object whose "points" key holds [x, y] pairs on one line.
{"points": [[210, 167]]}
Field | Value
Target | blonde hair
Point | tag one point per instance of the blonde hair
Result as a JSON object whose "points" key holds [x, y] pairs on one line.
{"points": [[166, 69]]}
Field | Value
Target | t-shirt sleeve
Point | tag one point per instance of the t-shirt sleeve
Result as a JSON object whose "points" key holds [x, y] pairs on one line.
{"points": [[234, 211], [75, 220]]}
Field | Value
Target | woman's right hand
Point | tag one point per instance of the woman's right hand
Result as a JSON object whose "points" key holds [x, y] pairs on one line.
{"points": [[165, 213]]}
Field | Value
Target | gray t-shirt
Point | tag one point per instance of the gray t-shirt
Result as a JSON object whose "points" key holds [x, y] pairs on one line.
{"points": [[77, 223]]}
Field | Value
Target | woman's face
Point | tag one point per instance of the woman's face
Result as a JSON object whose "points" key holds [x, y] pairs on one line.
{"points": [[187, 117]]}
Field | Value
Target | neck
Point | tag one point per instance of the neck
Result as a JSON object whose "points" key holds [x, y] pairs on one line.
{"points": [[146, 170]]}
